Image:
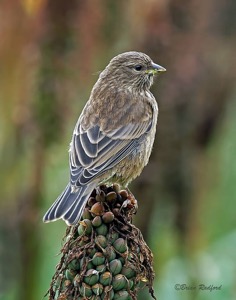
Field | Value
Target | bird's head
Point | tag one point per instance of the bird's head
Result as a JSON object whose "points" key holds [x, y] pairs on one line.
{"points": [[133, 70]]}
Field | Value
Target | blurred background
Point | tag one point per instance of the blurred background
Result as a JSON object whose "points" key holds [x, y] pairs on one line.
{"points": [[50, 55]]}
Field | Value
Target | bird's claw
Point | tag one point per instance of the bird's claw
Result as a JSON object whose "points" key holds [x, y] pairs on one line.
{"points": [[130, 202]]}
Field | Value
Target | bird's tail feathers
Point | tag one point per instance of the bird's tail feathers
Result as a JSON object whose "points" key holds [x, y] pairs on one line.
{"points": [[69, 205]]}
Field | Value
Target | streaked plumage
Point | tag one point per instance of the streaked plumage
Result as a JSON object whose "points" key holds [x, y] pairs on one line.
{"points": [[114, 135]]}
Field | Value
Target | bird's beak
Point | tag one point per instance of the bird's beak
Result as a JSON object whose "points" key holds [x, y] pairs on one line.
{"points": [[156, 69]]}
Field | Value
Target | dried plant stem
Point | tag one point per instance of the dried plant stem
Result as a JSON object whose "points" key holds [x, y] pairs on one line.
{"points": [[105, 256]]}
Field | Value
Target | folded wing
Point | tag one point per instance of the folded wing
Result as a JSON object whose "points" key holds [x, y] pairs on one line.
{"points": [[94, 151]]}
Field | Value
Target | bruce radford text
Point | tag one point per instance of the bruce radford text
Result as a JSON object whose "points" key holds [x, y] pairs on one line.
{"points": [[199, 287]]}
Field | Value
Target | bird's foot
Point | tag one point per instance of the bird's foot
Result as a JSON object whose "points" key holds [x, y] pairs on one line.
{"points": [[100, 195], [130, 202]]}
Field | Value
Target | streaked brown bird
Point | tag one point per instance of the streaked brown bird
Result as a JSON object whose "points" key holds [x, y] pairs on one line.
{"points": [[114, 135]]}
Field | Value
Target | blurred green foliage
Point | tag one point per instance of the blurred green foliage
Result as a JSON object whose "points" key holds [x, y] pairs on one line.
{"points": [[50, 54]]}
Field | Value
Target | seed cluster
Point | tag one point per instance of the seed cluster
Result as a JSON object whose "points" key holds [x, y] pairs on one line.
{"points": [[104, 256]]}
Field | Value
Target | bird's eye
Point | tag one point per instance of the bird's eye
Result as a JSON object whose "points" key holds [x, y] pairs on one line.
{"points": [[138, 67]]}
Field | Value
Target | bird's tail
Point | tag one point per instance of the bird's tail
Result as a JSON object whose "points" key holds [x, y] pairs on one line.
{"points": [[69, 205]]}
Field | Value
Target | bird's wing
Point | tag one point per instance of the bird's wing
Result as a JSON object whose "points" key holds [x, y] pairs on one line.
{"points": [[94, 151]]}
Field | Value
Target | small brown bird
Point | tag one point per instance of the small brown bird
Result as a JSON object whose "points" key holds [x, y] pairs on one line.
{"points": [[114, 135]]}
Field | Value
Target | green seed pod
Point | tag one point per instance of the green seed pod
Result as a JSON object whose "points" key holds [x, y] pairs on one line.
{"points": [[97, 209], [105, 278], [131, 284], [121, 295], [108, 217], [119, 282], [97, 221], [112, 237], [108, 293], [91, 277], [110, 253], [91, 252], [86, 214], [85, 227], [122, 260], [81, 229], [120, 245], [89, 265], [70, 274], [101, 241], [88, 226], [74, 264], [115, 266], [58, 281], [100, 197], [102, 229], [101, 268], [128, 272], [76, 281], [97, 289], [98, 259], [85, 290], [84, 261], [111, 197], [68, 238]]}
